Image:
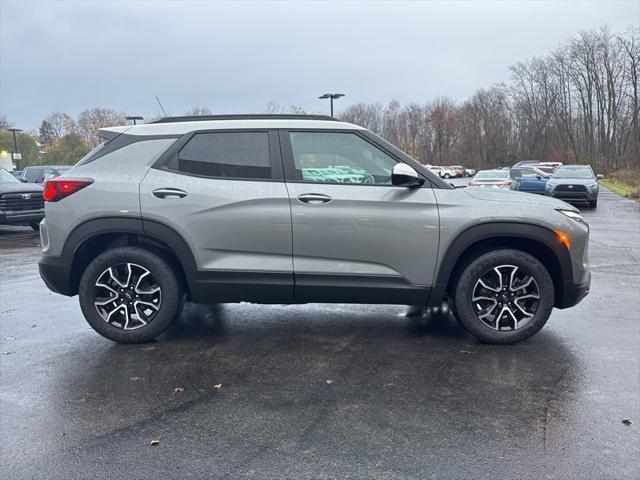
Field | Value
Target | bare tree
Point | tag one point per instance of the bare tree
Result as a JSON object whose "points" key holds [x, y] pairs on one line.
{"points": [[198, 111]]}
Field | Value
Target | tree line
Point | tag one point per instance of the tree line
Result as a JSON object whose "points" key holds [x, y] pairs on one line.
{"points": [[579, 103]]}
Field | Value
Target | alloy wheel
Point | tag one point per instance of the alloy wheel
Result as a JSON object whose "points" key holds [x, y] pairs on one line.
{"points": [[127, 296], [505, 297]]}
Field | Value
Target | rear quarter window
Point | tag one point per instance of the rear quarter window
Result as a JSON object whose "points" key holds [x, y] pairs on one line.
{"points": [[143, 152]]}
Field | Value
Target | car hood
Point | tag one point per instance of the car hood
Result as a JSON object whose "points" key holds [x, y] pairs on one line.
{"points": [[15, 187], [572, 181], [511, 196]]}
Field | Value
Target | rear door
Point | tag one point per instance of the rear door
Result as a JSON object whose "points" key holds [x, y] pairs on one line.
{"points": [[356, 237], [223, 192], [532, 182]]}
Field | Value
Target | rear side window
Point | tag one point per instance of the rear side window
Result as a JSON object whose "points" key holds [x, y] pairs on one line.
{"points": [[241, 155]]}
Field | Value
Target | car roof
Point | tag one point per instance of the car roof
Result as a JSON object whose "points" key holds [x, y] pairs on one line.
{"points": [[182, 125]]}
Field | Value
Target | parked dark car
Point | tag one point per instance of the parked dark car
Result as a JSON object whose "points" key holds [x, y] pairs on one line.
{"points": [[20, 203], [574, 184], [39, 173], [529, 179]]}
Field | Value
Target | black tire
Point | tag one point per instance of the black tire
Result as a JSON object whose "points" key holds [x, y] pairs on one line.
{"points": [[35, 226], [446, 175], [464, 307], [171, 302]]}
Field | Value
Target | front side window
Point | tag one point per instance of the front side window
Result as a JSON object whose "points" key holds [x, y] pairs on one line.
{"points": [[242, 155], [339, 157]]}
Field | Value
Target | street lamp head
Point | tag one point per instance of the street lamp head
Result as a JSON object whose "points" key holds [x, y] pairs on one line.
{"points": [[14, 129], [331, 95]]}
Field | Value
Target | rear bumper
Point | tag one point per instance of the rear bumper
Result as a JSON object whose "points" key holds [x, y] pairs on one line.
{"points": [[21, 218], [574, 293], [56, 274]]}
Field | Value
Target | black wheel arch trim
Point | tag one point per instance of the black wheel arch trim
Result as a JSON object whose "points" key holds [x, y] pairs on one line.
{"points": [[500, 231], [58, 271]]}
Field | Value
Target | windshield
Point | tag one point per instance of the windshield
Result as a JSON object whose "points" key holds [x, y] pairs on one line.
{"points": [[491, 175], [573, 172], [6, 177]]}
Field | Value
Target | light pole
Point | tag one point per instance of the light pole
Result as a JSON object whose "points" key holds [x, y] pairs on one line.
{"points": [[15, 146], [134, 118], [331, 97]]}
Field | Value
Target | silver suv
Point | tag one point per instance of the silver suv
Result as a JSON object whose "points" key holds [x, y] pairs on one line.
{"points": [[297, 209]]}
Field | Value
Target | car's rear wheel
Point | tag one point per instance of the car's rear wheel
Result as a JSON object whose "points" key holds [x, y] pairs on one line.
{"points": [[504, 296], [129, 295]]}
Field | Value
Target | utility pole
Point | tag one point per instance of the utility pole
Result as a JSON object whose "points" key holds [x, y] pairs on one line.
{"points": [[331, 97], [15, 156]]}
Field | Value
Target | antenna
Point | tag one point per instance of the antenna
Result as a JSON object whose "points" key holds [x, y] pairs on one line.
{"points": [[161, 107]]}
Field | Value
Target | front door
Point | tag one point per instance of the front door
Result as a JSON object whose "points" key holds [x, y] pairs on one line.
{"points": [[356, 237], [223, 192]]}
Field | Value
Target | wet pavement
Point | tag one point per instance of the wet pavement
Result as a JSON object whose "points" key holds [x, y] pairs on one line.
{"points": [[324, 391]]}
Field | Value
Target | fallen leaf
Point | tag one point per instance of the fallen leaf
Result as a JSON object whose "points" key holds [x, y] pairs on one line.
{"points": [[9, 338], [154, 442], [627, 422], [328, 381], [465, 351], [135, 379], [179, 389], [33, 326], [62, 434], [217, 386]]}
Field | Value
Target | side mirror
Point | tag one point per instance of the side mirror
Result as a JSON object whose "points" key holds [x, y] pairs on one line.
{"points": [[599, 176], [404, 175]]}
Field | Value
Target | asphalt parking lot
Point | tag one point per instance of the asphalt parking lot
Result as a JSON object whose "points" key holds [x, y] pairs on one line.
{"points": [[324, 391]]}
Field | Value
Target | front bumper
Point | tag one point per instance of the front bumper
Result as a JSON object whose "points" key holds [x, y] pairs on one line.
{"points": [[21, 217], [56, 274], [582, 197], [574, 293]]}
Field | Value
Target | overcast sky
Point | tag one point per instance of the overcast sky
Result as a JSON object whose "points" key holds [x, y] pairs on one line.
{"points": [[236, 57]]}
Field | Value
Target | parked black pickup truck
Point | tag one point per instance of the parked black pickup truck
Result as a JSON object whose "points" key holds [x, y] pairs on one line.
{"points": [[20, 203]]}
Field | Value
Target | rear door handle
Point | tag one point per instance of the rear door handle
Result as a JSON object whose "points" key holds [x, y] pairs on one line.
{"points": [[314, 198], [169, 193]]}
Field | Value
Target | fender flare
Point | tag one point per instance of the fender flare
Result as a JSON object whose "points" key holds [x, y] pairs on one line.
{"points": [[499, 231], [151, 229]]}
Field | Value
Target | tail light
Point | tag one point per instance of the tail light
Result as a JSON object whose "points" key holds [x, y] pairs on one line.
{"points": [[55, 189], [508, 183]]}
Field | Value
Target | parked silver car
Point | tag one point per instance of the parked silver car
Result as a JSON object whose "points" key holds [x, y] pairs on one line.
{"points": [[498, 178], [217, 209], [574, 184]]}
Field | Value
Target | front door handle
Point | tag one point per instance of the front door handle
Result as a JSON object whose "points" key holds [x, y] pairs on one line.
{"points": [[169, 193], [314, 198]]}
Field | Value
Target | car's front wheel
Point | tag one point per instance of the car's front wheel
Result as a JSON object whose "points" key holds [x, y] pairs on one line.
{"points": [[504, 296], [129, 295]]}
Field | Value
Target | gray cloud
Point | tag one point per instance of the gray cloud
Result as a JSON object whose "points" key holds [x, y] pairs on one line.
{"points": [[236, 57]]}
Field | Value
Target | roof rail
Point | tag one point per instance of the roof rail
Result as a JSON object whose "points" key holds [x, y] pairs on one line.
{"points": [[259, 116]]}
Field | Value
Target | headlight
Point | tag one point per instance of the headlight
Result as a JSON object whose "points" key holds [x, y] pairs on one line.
{"points": [[573, 215], [594, 186]]}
